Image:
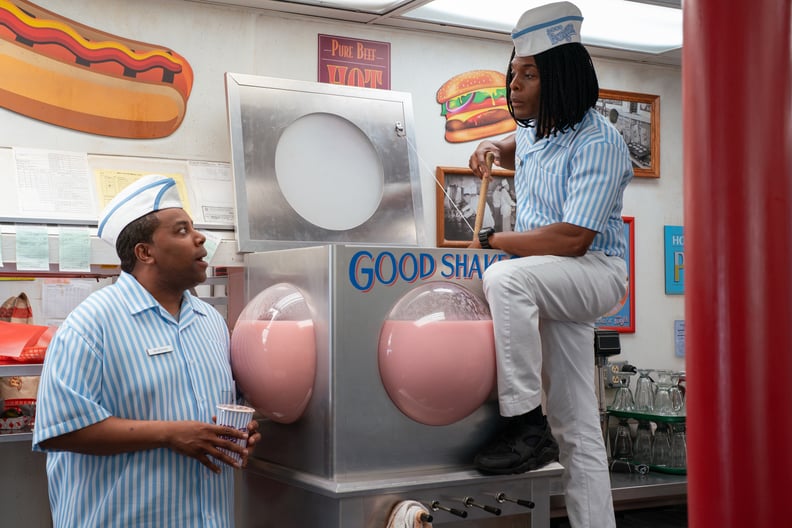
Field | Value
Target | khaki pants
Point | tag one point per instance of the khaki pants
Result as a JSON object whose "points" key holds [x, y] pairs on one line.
{"points": [[543, 309]]}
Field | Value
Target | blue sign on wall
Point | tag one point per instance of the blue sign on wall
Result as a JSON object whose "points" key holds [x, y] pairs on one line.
{"points": [[674, 260]]}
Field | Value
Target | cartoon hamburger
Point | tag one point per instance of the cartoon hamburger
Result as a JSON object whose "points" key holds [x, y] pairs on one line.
{"points": [[474, 105]]}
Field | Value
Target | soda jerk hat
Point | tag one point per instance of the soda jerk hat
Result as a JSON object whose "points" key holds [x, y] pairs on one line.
{"points": [[546, 27], [146, 195]]}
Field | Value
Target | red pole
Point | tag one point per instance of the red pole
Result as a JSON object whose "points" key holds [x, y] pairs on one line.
{"points": [[737, 108]]}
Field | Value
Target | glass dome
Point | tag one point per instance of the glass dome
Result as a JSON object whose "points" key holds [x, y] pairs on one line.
{"points": [[437, 353], [273, 353]]}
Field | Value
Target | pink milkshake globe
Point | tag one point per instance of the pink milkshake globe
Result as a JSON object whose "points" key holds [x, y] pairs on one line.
{"points": [[437, 353], [273, 353]]}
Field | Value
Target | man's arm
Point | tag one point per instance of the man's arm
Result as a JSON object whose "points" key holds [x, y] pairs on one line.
{"points": [[561, 239], [190, 438]]}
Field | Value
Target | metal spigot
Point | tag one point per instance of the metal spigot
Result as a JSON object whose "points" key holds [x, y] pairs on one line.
{"points": [[453, 511], [501, 497], [470, 502]]}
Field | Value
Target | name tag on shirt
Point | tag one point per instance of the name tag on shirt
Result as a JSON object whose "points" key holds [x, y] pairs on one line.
{"points": [[156, 351]]}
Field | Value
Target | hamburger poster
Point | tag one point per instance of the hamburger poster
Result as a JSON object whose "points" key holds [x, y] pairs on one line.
{"points": [[474, 106]]}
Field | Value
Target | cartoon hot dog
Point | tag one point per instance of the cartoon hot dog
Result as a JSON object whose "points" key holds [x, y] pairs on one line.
{"points": [[62, 72], [474, 105]]}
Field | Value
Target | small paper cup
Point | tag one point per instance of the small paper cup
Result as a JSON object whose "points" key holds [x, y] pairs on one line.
{"points": [[237, 417]]}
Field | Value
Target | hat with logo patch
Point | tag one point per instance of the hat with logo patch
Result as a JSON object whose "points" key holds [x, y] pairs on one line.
{"points": [[546, 27]]}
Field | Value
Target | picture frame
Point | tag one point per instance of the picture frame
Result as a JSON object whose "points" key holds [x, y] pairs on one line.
{"points": [[457, 203], [622, 317], [637, 117]]}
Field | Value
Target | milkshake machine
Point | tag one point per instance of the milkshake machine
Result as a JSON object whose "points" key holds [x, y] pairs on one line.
{"points": [[369, 358]]}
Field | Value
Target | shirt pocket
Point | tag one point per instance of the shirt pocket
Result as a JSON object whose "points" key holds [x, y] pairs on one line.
{"points": [[546, 189]]}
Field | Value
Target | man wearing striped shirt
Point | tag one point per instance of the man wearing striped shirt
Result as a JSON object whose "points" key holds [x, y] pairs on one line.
{"points": [[571, 169], [131, 380]]}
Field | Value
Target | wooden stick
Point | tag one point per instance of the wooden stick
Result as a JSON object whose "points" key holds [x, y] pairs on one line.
{"points": [[489, 157]]}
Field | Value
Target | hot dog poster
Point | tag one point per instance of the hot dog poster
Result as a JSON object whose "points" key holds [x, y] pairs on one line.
{"points": [[474, 106], [62, 72]]}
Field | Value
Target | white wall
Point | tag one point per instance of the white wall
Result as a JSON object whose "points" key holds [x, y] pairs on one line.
{"points": [[217, 39]]}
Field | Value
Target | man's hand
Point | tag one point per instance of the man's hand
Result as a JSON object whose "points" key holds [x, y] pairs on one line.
{"points": [[479, 164], [502, 153], [204, 441]]}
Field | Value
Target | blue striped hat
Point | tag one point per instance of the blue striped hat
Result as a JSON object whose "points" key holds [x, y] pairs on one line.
{"points": [[546, 27], [143, 196]]}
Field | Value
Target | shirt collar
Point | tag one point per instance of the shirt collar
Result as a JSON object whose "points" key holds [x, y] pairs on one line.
{"points": [[563, 139], [138, 299]]}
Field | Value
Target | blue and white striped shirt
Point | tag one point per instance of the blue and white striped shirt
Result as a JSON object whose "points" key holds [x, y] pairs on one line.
{"points": [[577, 177], [100, 364]]}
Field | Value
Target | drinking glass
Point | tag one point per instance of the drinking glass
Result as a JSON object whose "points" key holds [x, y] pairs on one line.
{"points": [[623, 399], [622, 446], [661, 446], [642, 447], [677, 396], [663, 403], [644, 392], [678, 458]]}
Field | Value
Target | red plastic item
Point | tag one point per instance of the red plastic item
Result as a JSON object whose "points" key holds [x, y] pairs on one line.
{"points": [[23, 343]]}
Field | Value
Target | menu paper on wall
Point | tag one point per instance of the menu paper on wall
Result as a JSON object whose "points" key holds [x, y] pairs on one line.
{"points": [[74, 249], [54, 184], [211, 244], [112, 181], [212, 186], [60, 296], [32, 248]]}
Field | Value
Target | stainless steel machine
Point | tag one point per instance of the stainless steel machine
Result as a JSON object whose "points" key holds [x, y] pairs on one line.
{"points": [[318, 163], [354, 451], [367, 355]]}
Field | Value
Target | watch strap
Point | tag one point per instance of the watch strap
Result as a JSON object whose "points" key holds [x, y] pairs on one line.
{"points": [[483, 237]]}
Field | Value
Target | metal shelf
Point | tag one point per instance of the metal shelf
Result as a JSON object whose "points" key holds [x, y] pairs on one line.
{"points": [[649, 417], [16, 437], [632, 490], [22, 369]]}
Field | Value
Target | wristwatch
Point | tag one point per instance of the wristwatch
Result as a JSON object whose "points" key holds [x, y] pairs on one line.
{"points": [[484, 235]]}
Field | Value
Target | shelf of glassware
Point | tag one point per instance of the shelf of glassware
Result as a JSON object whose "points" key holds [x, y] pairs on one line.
{"points": [[656, 418], [21, 369]]}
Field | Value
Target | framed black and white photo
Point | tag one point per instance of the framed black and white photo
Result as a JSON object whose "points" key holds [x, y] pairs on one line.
{"points": [[457, 204], [637, 117]]}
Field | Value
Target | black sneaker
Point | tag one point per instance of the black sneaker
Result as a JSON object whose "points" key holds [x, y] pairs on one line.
{"points": [[519, 448]]}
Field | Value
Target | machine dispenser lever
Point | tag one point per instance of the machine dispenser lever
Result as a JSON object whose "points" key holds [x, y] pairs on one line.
{"points": [[501, 497], [471, 502], [453, 511]]}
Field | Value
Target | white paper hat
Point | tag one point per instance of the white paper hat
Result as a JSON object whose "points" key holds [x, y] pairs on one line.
{"points": [[546, 27], [146, 195]]}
